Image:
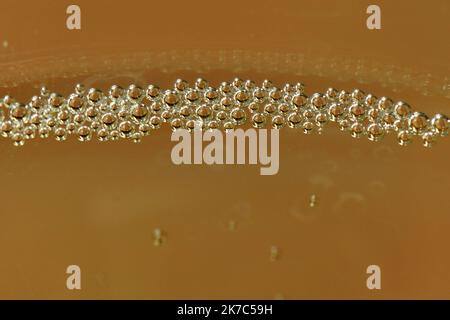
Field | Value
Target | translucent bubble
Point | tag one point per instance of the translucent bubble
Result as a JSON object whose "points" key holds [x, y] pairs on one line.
{"points": [[385, 104], [228, 125], [358, 95], [275, 94], [294, 120], [155, 122], [308, 127], [270, 108], [404, 138], [321, 119], [441, 124], [102, 134], [80, 89], [201, 84], [375, 132], [171, 98], [84, 133], [29, 131], [402, 109], [222, 115], [60, 134], [56, 100], [258, 120], [357, 129], [241, 96], [318, 101], [238, 116], [370, 101], [75, 102], [428, 139], [357, 111], [418, 122], [125, 129], [136, 137], [254, 107], [166, 115], [278, 122], [18, 111], [135, 93], [181, 85], [18, 139], [116, 92], [211, 94], [190, 125], [336, 111], [204, 111], [152, 91], [139, 113], [176, 124], [94, 95], [44, 131]]}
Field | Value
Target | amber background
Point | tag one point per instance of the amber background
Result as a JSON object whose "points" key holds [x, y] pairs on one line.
{"points": [[96, 204]]}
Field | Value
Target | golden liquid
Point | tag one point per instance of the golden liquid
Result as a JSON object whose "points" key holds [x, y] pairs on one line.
{"points": [[97, 204]]}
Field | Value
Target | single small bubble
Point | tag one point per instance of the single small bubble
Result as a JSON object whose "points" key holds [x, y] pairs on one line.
{"points": [[313, 201], [274, 253], [158, 237], [232, 225]]}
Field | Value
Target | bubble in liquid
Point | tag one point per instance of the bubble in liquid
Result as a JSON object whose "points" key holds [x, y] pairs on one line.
{"points": [[428, 139], [402, 109], [171, 97], [404, 138], [238, 116], [278, 122], [56, 100], [158, 237], [116, 92], [181, 85], [155, 122], [357, 129], [440, 124], [29, 131], [44, 131], [258, 120], [152, 91], [84, 133], [336, 111], [241, 96], [232, 225], [75, 102], [176, 124], [204, 111], [294, 120], [60, 134], [125, 129], [318, 101], [418, 122], [313, 201], [102, 134], [274, 253], [18, 111], [308, 127], [385, 104], [134, 93], [94, 95], [139, 113], [375, 132], [357, 111]]}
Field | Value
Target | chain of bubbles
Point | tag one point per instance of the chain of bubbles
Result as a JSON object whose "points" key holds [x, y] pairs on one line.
{"points": [[133, 112]]}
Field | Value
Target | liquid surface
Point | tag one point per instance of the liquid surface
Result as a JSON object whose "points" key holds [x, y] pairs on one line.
{"points": [[141, 227]]}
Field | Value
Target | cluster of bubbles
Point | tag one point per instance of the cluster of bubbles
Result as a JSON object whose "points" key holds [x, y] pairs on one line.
{"points": [[133, 112]]}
